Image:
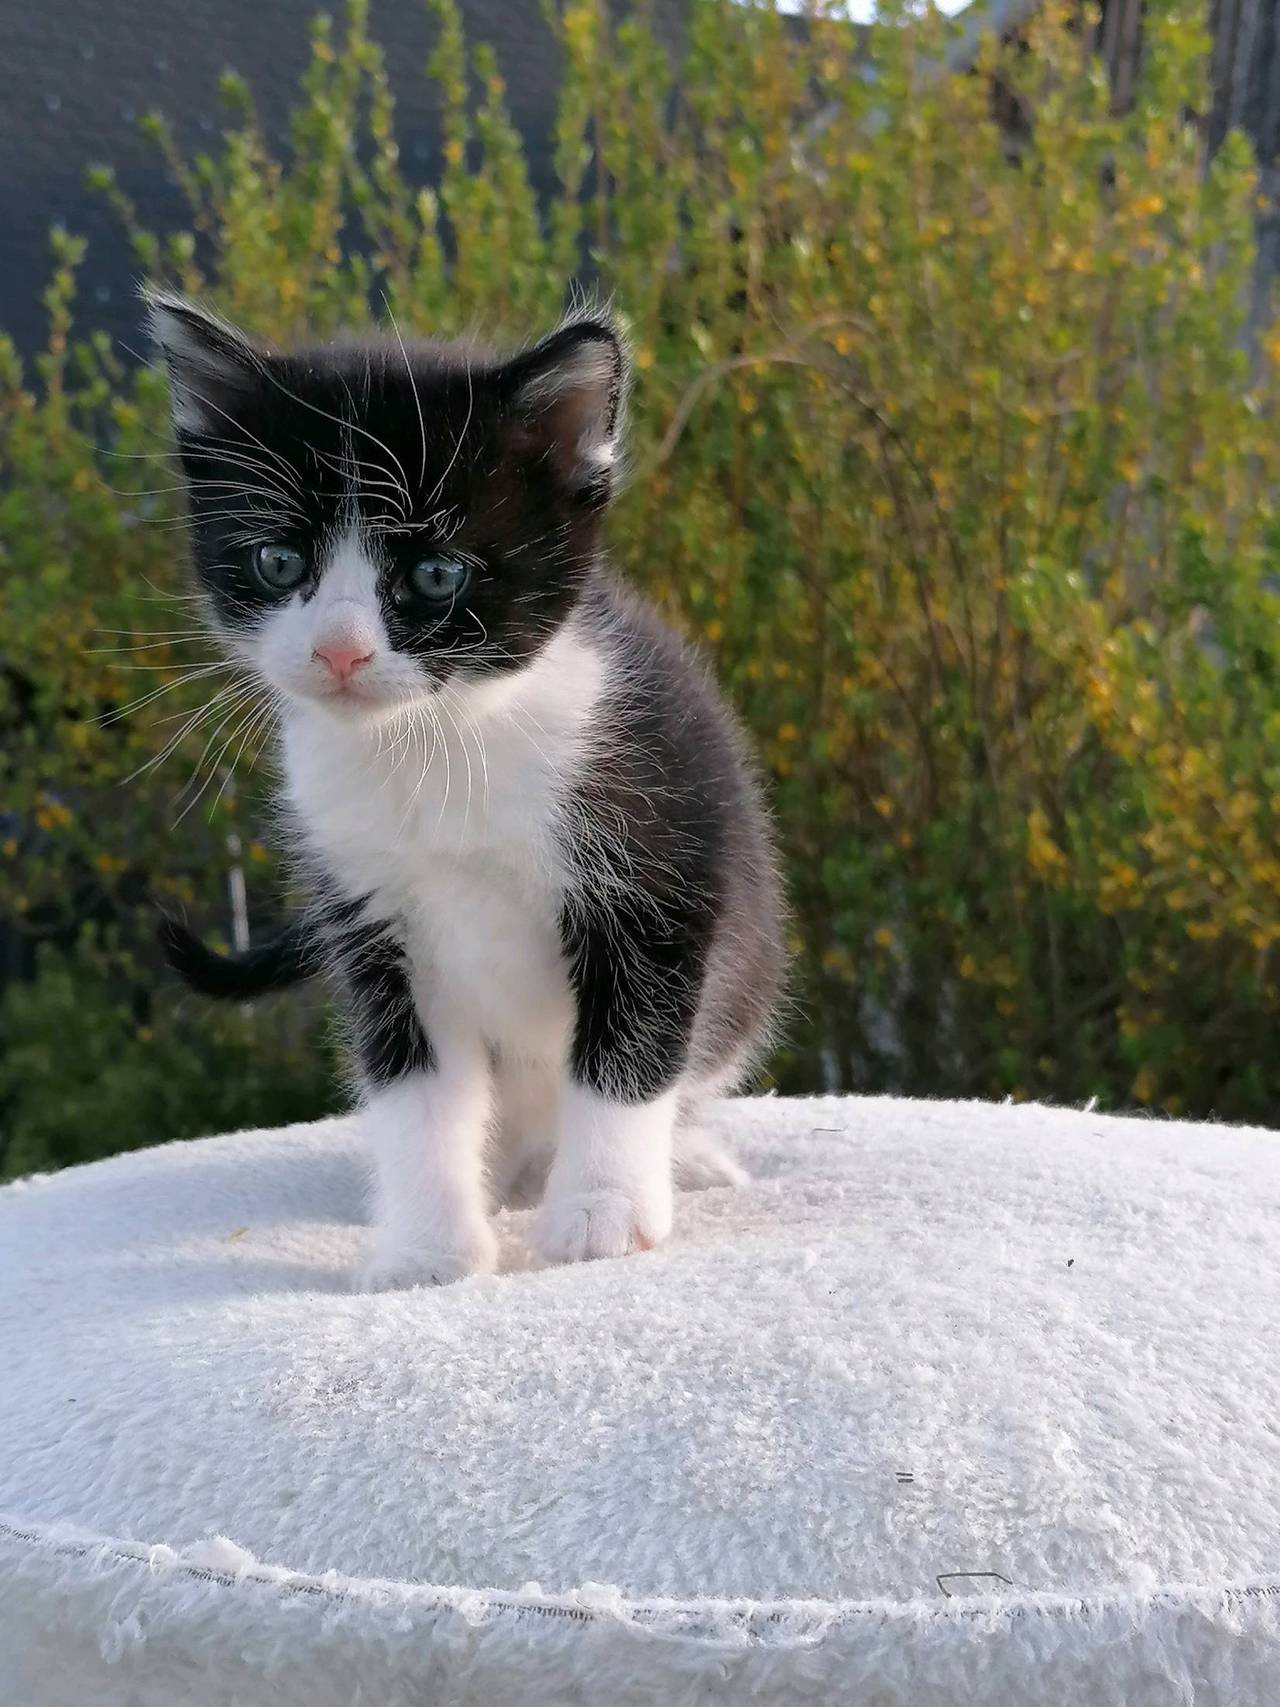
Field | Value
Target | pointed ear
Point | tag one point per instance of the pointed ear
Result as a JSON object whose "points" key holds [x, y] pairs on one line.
{"points": [[567, 396], [212, 367]]}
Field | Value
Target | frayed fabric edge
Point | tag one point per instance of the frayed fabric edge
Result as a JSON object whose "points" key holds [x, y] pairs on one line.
{"points": [[123, 1624], [222, 1563]]}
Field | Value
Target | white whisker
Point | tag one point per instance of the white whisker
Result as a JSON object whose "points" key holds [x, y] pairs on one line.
{"points": [[237, 708], [466, 759], [194, 675], [192, 721], [413, 385]]}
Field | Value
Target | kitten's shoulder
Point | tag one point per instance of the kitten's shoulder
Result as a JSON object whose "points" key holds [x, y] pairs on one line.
{"points": [[639, 640], [661, 704]]}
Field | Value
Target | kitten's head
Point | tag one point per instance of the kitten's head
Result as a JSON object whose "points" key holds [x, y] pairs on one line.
{"points": [[372, 520]]}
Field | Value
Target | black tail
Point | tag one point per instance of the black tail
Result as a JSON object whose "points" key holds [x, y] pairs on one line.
{"points": [[286, 959]]}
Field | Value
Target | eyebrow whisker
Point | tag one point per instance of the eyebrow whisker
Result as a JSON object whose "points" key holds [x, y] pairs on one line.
{"points": [[413, 385]]}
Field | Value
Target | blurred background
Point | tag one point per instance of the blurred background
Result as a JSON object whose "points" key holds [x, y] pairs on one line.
{"points": [[954, 445]]}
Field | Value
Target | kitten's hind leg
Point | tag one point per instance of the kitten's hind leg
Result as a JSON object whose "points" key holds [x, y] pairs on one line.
{"points": [[698, 1158], [700, 1161], [524, 1127]]}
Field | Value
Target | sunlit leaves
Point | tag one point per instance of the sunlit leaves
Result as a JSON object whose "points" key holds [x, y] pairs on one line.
{"points": [[948, 444]]}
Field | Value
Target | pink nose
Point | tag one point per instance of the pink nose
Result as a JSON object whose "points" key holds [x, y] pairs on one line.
{"points": [[342, 659]]}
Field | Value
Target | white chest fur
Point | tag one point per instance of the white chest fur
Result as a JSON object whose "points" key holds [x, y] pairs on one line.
{"points": [[448, 823]]}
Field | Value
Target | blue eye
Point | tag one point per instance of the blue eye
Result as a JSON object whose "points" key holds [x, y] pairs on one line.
{"points": [[439, 579], [279, 567]]}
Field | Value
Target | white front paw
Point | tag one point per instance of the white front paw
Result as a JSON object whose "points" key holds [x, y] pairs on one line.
{"points": [[395, 1267], [605, 1223]]}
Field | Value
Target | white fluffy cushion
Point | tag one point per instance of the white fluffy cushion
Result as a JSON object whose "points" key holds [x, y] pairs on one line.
{"points": [[929, 1339]]}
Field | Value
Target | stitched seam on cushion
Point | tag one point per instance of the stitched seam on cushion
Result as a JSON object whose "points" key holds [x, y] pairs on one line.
{"points": [[659, 1619]]}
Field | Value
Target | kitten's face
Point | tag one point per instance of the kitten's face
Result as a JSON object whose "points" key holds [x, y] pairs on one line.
{"points": [[373, 521]]}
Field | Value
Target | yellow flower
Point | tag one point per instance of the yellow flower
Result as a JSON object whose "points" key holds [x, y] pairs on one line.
{"points": [[1004, 972], [1203, 930], [1046, 857]]}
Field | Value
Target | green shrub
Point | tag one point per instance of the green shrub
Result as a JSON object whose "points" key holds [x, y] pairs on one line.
{"points": [[949, 450], [91, 1066]]}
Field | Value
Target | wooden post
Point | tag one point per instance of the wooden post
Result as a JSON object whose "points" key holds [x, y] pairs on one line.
{"points": [[1245, 76], [1120, 45], [1246, 96]]}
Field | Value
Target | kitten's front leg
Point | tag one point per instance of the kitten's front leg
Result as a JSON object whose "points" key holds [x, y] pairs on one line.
{"points": [[609, 1190], [425, 1109], [636, 977], [426, 1135]]}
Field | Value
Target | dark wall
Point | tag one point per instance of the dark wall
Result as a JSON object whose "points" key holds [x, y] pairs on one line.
{"points": [[76, 75], [1246, 90]]}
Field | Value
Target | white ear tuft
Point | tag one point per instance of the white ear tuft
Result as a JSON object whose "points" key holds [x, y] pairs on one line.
{"points": [[212, 366]]}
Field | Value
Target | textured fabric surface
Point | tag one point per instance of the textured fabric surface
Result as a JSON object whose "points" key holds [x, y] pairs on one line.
{"points": [[930, 1340]]}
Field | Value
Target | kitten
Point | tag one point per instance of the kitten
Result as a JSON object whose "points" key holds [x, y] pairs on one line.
{"points": [[540, 867]]}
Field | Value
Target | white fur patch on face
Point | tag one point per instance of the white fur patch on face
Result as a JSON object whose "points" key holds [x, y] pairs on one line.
{"points": [[478, 776], [297, 644]]}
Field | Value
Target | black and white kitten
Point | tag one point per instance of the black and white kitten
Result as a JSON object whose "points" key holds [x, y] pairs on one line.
{"points": [[541, 869]]}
